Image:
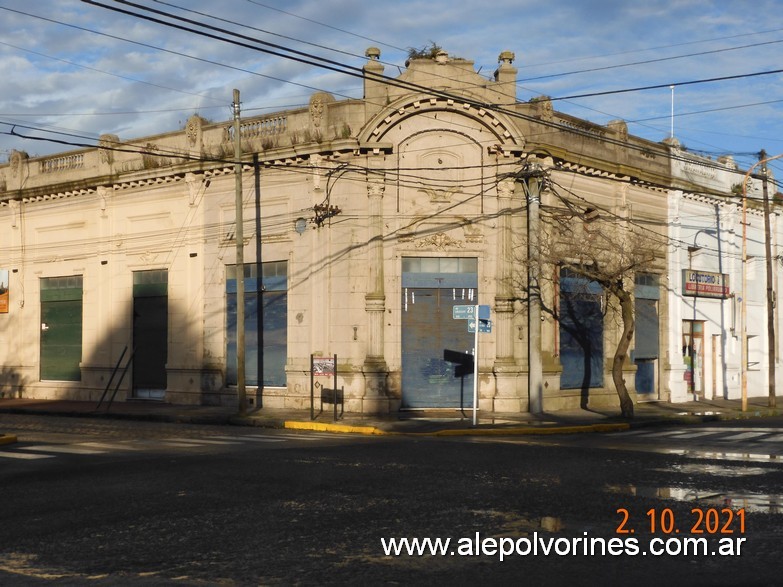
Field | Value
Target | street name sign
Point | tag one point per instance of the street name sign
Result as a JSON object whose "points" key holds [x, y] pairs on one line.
{"points": [[463, 312], [484, 325]]}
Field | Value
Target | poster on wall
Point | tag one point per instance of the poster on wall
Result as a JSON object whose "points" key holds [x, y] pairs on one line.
{"points": [[3, 291]]}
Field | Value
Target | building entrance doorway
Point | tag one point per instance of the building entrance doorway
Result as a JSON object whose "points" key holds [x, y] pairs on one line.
{"points": [[150, 333], [693, 355], [431, 287]]}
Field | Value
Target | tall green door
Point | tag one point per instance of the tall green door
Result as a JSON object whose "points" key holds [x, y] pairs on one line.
{"points": [[150, 333], [61, 328]]}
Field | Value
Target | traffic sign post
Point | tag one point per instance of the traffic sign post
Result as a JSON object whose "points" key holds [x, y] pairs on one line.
{"points": [[472, 314], [475, 371]]}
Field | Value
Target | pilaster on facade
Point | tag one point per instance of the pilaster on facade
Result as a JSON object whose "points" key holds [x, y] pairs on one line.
{"points": [[507, 372], [375, 369]]}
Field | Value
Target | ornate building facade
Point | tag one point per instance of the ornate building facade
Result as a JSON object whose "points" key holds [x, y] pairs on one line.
{"points": [[365, 223]]}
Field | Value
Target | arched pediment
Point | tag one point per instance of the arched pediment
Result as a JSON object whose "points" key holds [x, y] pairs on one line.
{"points": [[381, 125]]}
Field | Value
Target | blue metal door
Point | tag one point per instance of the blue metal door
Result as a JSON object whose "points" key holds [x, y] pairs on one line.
{"points": [[431, 287]]}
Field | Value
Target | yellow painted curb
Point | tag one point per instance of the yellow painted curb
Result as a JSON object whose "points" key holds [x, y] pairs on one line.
{"points": [[372, 430], [337, 428], [7, 439]]}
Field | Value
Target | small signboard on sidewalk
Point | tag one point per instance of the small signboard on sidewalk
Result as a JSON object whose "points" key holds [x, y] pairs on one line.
{"points": [[323, 366]]}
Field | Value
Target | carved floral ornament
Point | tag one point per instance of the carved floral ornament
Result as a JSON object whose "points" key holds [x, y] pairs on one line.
{"points": [[318, 104], [317, 110], [375, 187], [193, 130], [439, 242]]}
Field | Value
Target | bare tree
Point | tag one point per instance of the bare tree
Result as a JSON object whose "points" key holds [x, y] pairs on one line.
{"points": [[603, 251]]}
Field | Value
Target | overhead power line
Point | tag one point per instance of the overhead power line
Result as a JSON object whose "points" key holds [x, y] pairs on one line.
{"points": [[334, 28], [331, 65], [649, 61], [357, 71], [670, 84]]}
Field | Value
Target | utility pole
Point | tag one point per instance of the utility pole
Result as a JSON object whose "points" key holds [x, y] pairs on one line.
{"points": [[770, 291], [240, 261], [259, 285], [744, 318], [533, 180], [744, 304]]}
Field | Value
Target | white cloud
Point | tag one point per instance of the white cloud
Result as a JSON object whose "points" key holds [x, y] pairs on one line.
{"points": [[569, 36]]}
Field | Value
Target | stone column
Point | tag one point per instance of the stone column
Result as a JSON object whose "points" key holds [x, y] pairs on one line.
{"points": [[507, 398], [375, 369]]}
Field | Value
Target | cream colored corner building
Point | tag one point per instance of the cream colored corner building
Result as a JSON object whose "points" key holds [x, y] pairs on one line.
{"points": [[365, 222]]}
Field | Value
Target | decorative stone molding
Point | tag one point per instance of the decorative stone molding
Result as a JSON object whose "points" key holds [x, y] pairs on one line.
{"points": [[375, 187], [14, 206], [473, 233], [148, 257], [106, 145], [620, 128], [103, 196], [508, 141], [439, 242], [195, 184], [506, 57], [505, 188], [319, 114], [17, 160], [542, 107], [441, 196], [317, 163], [193, 130], [64, 163]]}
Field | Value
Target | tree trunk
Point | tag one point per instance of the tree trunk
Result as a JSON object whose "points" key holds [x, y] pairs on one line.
{"points": [[620, 354]]}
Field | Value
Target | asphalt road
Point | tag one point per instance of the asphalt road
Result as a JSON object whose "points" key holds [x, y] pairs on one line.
{"points": [[136, 503]]}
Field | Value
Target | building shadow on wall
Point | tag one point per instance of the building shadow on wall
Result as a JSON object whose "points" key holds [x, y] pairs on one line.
{"points": [[12, 383], [150, 353], [581, 347]]}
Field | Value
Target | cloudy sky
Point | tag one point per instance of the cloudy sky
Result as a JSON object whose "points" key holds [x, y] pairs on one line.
{"points": [[73, 70]]}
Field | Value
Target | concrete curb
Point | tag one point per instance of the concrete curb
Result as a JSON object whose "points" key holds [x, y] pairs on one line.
{"points": [[7, 439], [534, 431], [374, 431]]}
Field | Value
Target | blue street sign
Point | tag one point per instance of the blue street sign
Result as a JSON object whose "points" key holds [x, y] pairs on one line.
{"points": [[484, 325], [463, 312]]}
